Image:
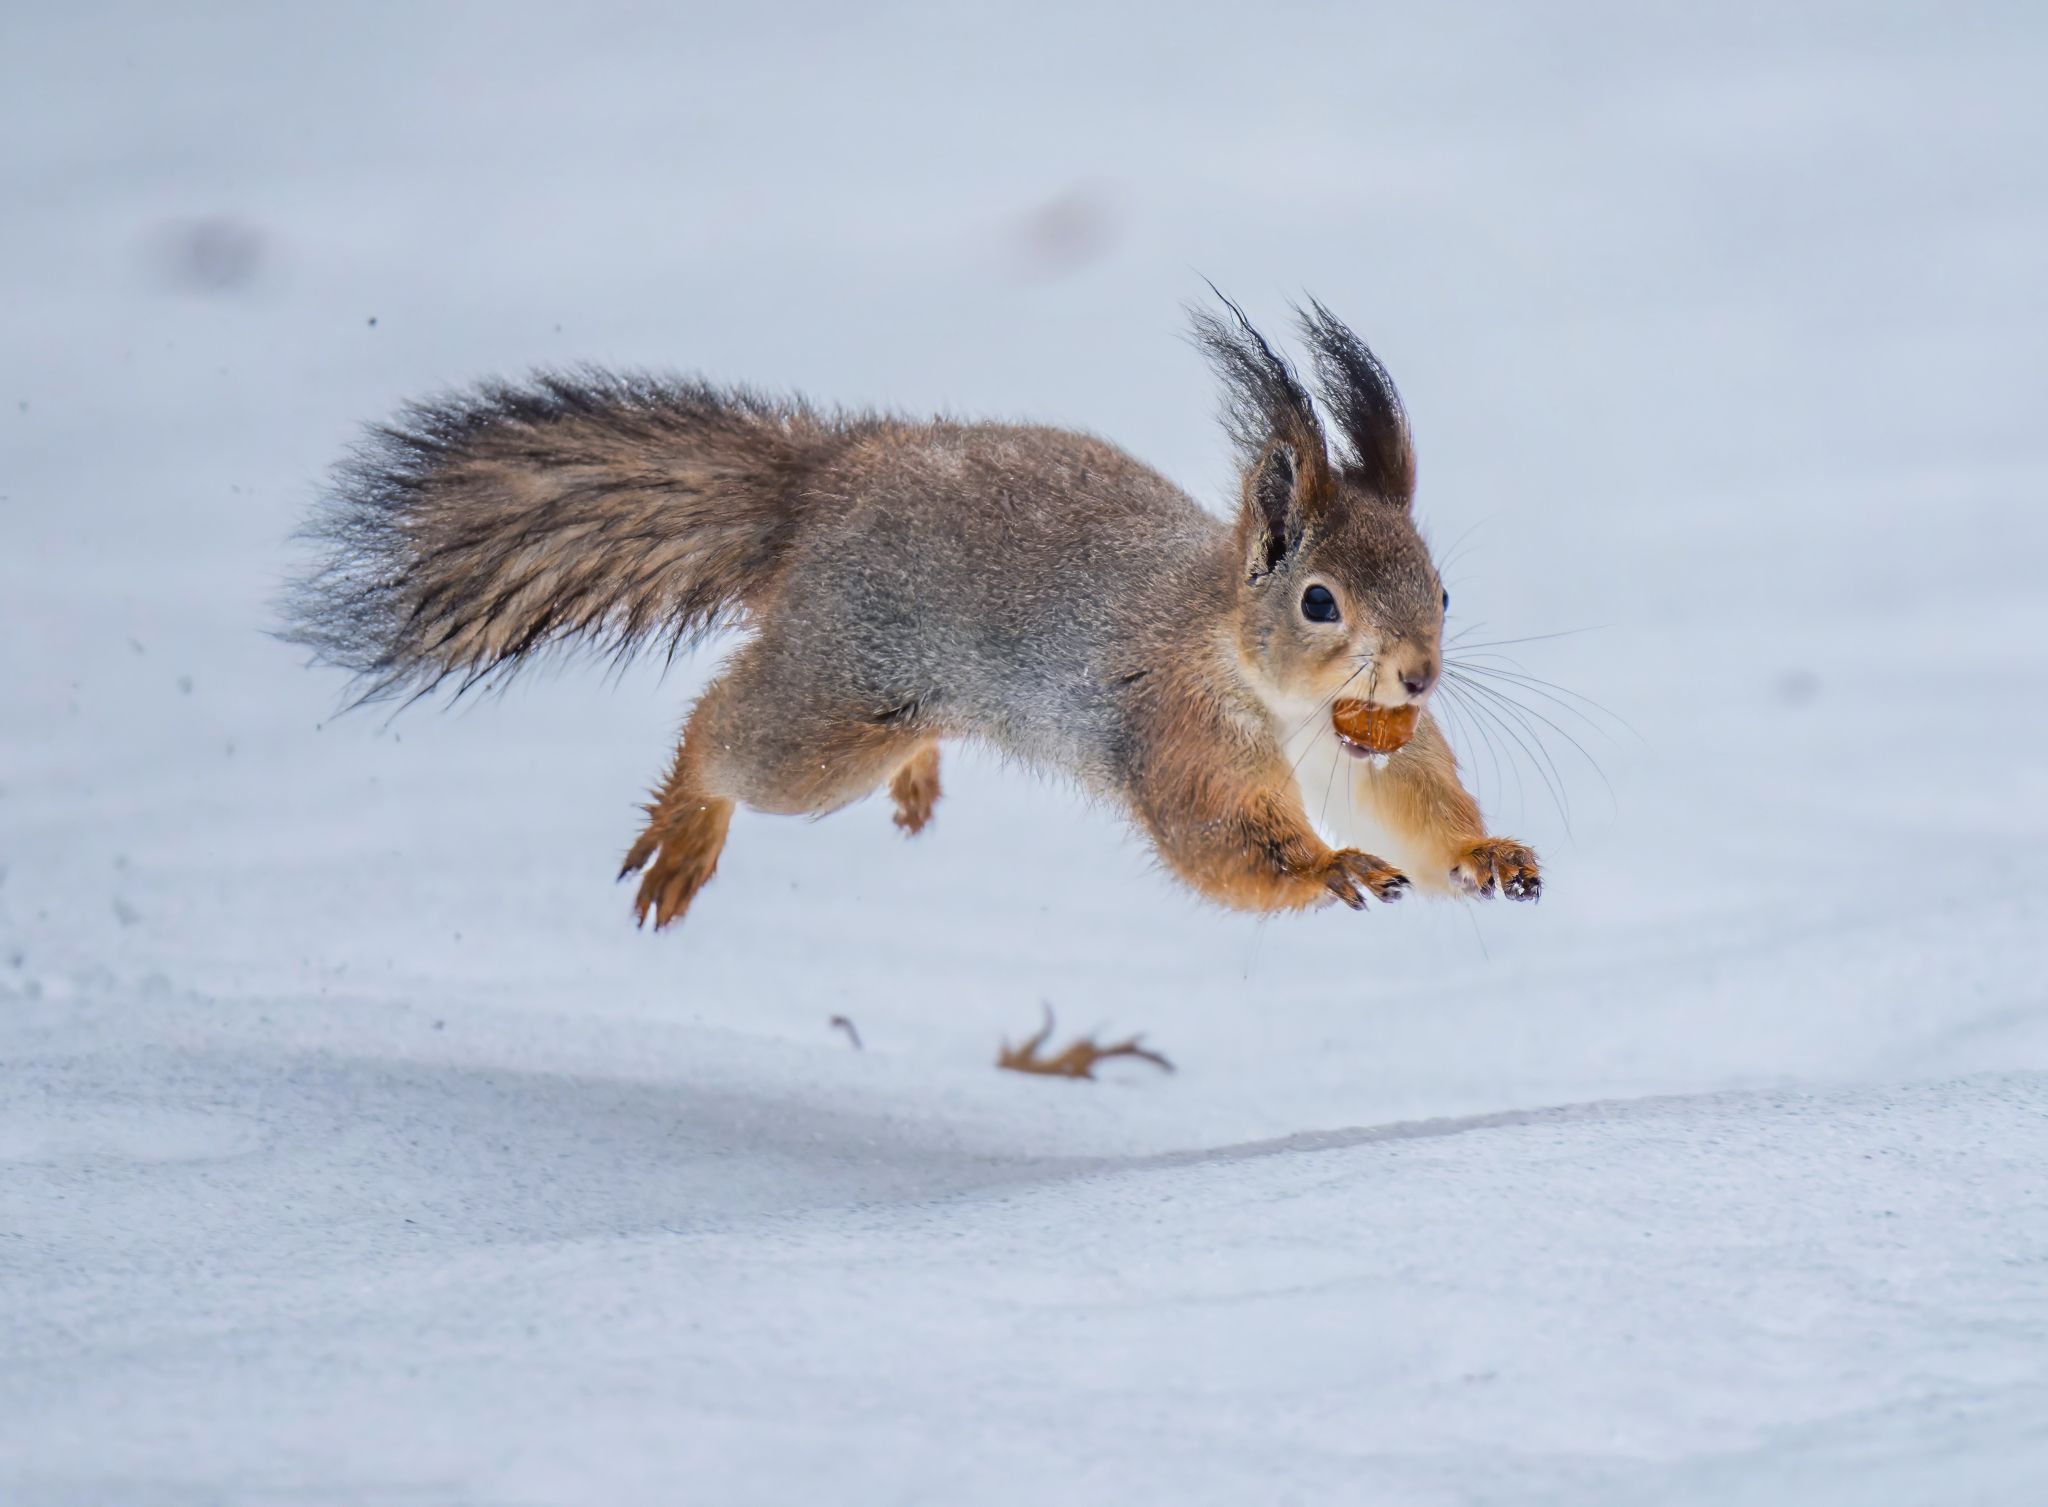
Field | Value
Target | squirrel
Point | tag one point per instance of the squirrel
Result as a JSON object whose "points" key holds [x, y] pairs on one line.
{"points": [[901, 582]]}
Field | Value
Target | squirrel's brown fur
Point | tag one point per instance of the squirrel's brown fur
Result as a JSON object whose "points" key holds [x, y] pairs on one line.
{"points": [[900, 583]]}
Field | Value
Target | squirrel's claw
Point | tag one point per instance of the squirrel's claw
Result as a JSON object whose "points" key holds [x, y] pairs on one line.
{"points": [[679, 851], [1349, 869], [1498, 863], [1338, 883]]}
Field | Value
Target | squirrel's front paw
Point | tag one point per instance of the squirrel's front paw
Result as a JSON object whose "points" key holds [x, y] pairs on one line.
{"points": [[1501, 862], [1348, 869]]}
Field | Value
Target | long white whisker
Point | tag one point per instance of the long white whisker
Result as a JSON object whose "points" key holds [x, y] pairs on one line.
{"points": [[1535, 758], [1555, 694], [1504, 709], [1327, 702], [1563, 732], [1533, 638], [1322, 816], [1454, 691]]}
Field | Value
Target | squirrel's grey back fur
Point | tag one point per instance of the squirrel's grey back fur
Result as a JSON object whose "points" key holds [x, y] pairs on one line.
{"points": [[975, 573], [996, 581]]}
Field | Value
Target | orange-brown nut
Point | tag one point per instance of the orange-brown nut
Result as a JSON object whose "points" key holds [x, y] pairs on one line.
{"points": [[1373, 729]]}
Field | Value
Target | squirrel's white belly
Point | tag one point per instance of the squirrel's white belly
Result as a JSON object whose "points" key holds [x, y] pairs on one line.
{"points": [[1326, 775]]}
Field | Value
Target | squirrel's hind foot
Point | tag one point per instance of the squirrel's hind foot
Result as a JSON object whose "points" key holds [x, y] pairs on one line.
{"points": [[915, 789], [680, 854]]}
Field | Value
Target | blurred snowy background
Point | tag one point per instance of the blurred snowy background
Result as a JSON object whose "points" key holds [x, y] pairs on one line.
{"points": [[354, 1148]]}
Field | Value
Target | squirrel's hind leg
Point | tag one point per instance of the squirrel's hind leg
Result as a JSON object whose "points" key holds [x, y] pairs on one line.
{"points": [[915, 789], [753, 739], [679, 848]]}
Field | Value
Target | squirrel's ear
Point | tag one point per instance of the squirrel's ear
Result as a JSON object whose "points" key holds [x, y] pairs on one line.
{"points": [[1275, 506], [1288, 482], [1371, 423]]}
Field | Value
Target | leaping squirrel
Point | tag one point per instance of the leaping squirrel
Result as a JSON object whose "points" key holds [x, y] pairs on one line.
{"points": [[901, 582]]}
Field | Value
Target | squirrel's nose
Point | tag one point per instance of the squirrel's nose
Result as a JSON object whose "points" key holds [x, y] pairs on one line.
{"points": [[1417, 682]]}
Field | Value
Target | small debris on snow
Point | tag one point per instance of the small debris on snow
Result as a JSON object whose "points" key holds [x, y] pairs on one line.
{"points": [[1078, 1060]]}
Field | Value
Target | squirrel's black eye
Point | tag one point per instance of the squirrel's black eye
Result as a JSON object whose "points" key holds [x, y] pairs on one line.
{"points": [[1318, 606], [1447, 599]]}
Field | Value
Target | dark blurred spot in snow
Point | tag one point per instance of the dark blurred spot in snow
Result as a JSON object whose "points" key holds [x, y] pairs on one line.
{"points": [[1065, 234], [1798, 687], [214, 254]]}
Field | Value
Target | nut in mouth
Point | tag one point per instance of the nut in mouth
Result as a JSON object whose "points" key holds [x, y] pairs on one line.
{"points": [[1369, 731]]}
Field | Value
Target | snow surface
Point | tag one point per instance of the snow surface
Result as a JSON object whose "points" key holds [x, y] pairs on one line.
{"points": [[354, 1148]]}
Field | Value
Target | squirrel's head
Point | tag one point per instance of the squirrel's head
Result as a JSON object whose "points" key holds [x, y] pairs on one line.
{"points": [[1337, 593]]}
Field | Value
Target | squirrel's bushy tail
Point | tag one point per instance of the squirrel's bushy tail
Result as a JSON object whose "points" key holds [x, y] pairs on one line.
{"points": [[474, 531]]}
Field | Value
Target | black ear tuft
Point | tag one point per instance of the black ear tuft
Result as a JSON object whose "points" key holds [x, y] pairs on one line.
{"points": [[1265, 402], [1361, 397], [1288, 484]]}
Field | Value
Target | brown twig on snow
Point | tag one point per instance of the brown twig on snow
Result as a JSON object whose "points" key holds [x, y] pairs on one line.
{"points": [[1077, 1060]]}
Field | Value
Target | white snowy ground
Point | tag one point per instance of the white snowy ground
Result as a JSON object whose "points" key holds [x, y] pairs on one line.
{"points": [[355, 1149]]}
